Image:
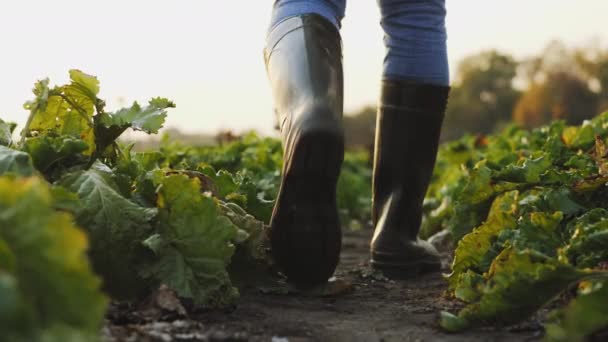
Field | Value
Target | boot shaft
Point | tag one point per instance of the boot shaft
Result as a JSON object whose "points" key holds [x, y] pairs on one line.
{"points": [[303, 58], [408, 127]]}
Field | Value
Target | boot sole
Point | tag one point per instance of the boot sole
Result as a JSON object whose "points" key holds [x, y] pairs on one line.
{"points": [[405, 270], [305, 233]]}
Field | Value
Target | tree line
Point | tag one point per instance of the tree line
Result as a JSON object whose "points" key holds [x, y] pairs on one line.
{"points": [[492, 89]]}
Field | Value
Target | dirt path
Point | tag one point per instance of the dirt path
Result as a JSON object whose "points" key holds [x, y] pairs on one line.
{"points": [[374, 309]]}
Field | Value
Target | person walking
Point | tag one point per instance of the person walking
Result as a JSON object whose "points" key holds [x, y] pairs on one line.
{"points": [[303, 56]]}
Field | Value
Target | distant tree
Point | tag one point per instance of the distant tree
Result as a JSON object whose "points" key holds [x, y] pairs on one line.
{"points": [[482, 94], [488, 92], [562, 84], [594, 63], [554, 59], [561, 95]]}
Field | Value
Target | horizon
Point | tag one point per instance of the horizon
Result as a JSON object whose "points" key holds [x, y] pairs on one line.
{"points": [[143, 49]]}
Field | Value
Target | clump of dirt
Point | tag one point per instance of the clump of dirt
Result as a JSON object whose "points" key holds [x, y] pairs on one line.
{"points": [[361, 305]]}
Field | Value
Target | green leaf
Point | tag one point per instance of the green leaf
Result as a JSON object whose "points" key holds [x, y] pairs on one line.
{"points": [[588, 243], [474, 199], [562, 200], [518, 284], [528, 170], [223, 180], [579, 137], [65, 110], [479, 186], [586, 314], [538, 231], [9, 292], [251, 240], [83, 86], [116, 226], [65, 200], [56, 153], [51, 281], [472, 250], [6, 132], [452, 323], [15, 162], [195, 243], [149, 119]]}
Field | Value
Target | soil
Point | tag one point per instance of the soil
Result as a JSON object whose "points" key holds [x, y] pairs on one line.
{"points": [[360, 306]]}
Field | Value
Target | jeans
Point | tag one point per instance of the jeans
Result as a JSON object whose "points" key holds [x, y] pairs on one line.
{"points": [[414, 34]]}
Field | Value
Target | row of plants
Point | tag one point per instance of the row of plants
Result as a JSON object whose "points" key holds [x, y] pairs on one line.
{"points": [[527, 213], [84, 219]]}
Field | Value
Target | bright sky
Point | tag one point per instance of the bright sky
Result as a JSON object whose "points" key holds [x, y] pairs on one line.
{"points": [[207, 55]]}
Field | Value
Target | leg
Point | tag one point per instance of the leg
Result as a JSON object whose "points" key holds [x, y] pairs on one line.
{"points": [[415, 40], [332, 10], [304, 64], [410, 114]]}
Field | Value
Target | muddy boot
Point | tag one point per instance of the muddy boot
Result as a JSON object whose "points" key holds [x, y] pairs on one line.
{"points": [[304, 64], [407, 136]]}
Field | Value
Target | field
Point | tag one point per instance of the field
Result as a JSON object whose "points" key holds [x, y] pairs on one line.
{"points": [[169, 244], [364, 307]]}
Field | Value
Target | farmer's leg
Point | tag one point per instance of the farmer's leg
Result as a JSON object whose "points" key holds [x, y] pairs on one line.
{"points": [[332, 10], [304, 64], [415, 40], [410, 113]]}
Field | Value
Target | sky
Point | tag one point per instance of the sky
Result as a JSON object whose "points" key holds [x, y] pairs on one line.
{"points": [[207, 55]]}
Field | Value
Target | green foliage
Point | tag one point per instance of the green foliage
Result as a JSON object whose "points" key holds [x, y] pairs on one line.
{"points": [[151, 218], [194, 243], [246, 172], [15, 162], [517, 284], [527, 210], [45, 279], [6, 133], [53, 155], [116, 227], [109, 126], [354, 189], [588, 240], [582, 317], [65, 111]]}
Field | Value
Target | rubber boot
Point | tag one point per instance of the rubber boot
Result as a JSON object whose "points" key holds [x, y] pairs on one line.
{"points": [[304, 64], [407, 137]]}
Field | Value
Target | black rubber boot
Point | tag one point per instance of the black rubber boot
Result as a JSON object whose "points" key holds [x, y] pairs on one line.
{"points": [[304, 64], [407, 137]]}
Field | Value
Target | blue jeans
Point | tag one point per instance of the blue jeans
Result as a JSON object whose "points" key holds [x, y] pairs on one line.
{"points": [[414, 34]]}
